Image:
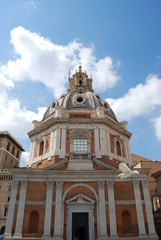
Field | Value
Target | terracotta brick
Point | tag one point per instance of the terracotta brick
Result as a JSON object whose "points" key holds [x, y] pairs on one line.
{"points": [[36, 191], [80, 115], [41, 211], [132, 210], [123, 191]]}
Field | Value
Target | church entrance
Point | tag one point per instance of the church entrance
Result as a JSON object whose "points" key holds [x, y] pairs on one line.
{"points": [[80, 229]]}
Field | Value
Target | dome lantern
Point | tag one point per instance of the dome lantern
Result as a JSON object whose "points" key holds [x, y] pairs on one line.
{"points": [[80, 80]]}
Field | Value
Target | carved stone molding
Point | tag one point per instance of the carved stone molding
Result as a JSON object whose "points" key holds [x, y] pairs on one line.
{"points": [[14, 184], [110, 185], [49, 184], [117, 139], [59, 185], [101, 185], [136, 184], [145, 184]]}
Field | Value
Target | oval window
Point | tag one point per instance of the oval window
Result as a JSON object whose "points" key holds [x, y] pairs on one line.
{"points": [[79, 99]]}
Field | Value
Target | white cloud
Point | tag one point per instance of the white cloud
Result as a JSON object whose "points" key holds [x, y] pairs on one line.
{"points": [[141, 100], [32, 4], [157, 127], [38, 59], [24, 159], [138, 101], [16, 120]]}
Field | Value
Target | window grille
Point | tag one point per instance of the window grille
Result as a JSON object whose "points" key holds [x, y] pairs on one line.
{"points": [[80, 145]]}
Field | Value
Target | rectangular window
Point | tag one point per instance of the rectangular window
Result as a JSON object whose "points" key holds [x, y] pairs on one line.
{"points": [[80, 145], [5, 212]]}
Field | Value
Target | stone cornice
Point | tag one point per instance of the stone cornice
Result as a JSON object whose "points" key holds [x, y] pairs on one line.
{"points": [[64, 120], [39, 175]]}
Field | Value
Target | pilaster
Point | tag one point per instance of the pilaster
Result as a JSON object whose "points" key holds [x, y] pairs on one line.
{"points": [[112, 211], [97, 142], [21, 208], [148, 208], [51, 141], [102, 210], [11, 210], [139, 210], [57, 140], [48, 210], [58, 212], [108, 143]]}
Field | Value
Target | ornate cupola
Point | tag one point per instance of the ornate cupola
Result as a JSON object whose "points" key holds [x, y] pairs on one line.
{"points": [[80, 81]]}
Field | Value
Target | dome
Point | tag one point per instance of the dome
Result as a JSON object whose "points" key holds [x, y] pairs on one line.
{"points": [[77, 99], [80, 95]]}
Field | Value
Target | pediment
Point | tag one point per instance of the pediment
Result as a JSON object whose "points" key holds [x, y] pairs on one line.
{"points": [[80, 199], [103, 165]]}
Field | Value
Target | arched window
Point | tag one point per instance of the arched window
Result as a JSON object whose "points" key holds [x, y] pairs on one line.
{"points": [[118, 147], [80, 82], [41, 148], [2, 230], [126, 222], [33, 222]]}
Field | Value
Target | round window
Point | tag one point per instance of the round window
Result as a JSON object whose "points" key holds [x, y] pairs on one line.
{"points": [[53, 105], [106, 105], [79, 99]]}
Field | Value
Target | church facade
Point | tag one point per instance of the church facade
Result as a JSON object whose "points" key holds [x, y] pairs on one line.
{"points": [[70, 189]]}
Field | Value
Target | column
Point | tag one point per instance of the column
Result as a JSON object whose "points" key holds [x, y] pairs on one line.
{"points": [[48, 210], [139, 210], [21, 208], [102, 210], [112, 210], [58, 212], [148, 209], [11, 209]]}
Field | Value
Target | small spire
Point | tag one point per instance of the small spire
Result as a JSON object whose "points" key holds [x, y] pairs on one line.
{"points": [[80, 67]]}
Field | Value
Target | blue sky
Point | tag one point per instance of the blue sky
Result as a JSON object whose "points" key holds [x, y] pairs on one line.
{"points": [[117, 41]]}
